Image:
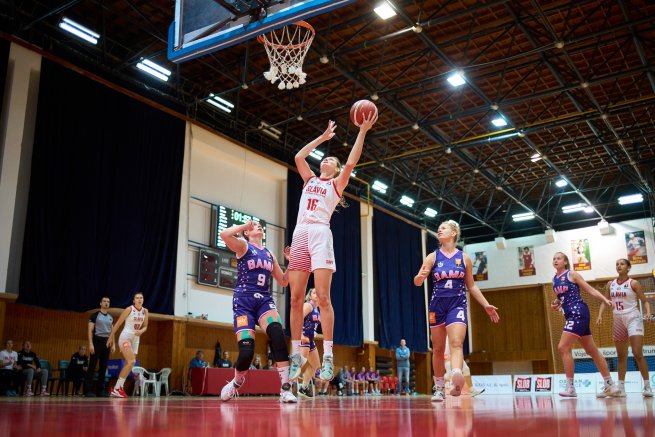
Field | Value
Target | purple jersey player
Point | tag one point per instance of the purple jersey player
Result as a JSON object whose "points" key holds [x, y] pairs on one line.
{"points": [[452, 273], [311, 360], [253, 305], [567, 286]]}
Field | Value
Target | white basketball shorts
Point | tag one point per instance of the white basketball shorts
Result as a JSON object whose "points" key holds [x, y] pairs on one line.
{"points": [[128, 340], [311, 248], [628, 325]]}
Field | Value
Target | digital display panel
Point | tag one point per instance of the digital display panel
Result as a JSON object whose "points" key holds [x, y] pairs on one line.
{"points": [[228, 217]]}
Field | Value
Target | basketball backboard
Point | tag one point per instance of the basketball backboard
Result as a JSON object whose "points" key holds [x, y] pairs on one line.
{"points": [[204, 26]]}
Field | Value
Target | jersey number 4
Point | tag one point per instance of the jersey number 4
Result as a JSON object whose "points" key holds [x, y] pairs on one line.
{"points": [[312, 204]]}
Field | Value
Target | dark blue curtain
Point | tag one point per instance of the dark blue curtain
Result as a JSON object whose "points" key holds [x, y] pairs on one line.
{"points": [[104, 198], [401, 305], [346, 290], [4, 62]]}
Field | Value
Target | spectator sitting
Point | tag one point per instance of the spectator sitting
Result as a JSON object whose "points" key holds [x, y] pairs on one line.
{"points": [[256, 364], [373, 380], [269, 365], [225, 362], [360, 381], [321, 385], [9, 372], [198, 360], [77, 368], [347, 381], [29, 364], [337, 382]]}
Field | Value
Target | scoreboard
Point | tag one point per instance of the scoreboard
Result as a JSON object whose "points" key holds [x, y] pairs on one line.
{"points": [[228, 217]]}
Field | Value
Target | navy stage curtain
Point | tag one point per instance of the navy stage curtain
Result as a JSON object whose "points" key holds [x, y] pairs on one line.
{"points": [[104, 198], [346, 292], [401, 310]]}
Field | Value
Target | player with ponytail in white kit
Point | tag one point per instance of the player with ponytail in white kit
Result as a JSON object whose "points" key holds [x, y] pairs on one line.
{"points": [[311, 246], [136, 323], [628, 322]]}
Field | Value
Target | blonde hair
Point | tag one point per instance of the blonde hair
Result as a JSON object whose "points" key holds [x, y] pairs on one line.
{"points": [[568, 264], [455, 227], [308, 296]]}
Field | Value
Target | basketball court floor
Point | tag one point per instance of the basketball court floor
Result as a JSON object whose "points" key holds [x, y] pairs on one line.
{"points": [[491, 415]]}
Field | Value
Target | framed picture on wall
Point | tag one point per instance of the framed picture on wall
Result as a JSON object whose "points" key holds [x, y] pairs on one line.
{"points": [[581, 252], [526, 261], [480, 266], [635, 244]]}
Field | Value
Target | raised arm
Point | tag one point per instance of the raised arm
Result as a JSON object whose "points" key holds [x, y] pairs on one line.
{"points": [[236, 244], [356, 152], [476, 293], [578, 279], [425, 270], [301, 156]]}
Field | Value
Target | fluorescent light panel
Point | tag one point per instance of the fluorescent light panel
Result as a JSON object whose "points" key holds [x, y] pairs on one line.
{"points": [[270, 130], [631, 198], [78, 30], [522, 216], [317, 154], [499, 122], [561, 183], [385, 11], [380, 187], [430, 212], [407, 201], [568, 209], [456, 79], [220, 103], [154, 69], [536, 157]]}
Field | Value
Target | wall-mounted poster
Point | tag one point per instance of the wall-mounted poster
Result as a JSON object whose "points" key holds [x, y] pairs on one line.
{"points": [[635, 243], [526, 261], [581, 255], [480, 268]]}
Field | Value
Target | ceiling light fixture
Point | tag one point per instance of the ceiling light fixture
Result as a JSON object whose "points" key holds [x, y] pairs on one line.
{"points": [[79, 31], [385, 11]]}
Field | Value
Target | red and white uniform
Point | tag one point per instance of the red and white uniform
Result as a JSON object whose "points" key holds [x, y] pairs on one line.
{"points": [[133, 322], [311, 246], [627, 317]]}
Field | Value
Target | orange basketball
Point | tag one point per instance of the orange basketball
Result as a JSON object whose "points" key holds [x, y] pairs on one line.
{"points": [[361, 109]]}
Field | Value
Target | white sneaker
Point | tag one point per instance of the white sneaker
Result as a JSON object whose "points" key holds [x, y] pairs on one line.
{"points": [[327, 370], [286, 397], [230, 390], [438, 395], [295, 366], [621, 393], [29, 393], [458, 384], [648, 392], [609, 391], [569, 392]]}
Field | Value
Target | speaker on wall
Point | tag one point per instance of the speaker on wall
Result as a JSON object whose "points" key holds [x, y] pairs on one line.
{"points": [[501, 243], [550, 235]]}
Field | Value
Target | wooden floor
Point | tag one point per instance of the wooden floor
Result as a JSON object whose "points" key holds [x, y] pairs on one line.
{"points": [[507, 416]]}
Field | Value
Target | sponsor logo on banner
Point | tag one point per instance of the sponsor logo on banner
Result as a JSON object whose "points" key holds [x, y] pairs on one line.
{"points": [[543, 384], [633, 382], [522, 384], [496, 384], [610, 352], [584, 383]]}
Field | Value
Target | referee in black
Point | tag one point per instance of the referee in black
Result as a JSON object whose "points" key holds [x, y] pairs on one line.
{"points": [[99, 328]]}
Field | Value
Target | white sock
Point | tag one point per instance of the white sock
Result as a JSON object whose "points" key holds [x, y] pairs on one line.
{"points": [[284, 374], [569, 383], [439, 382], [327, 347], [646, 383], [295, 347], [608, 380], [305, 384], [119, 383], [622, 384]]}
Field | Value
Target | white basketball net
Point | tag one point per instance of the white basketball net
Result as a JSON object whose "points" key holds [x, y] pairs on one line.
{"points": [[286, 49]]}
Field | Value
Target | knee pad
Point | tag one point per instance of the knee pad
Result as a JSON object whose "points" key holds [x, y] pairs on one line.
{"points": [[246, 354], [278, 343]]}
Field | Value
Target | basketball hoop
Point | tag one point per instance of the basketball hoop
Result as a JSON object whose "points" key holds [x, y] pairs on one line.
{"points": [[286, 49]]}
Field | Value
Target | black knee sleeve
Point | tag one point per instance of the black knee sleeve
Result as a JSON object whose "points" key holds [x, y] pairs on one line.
{"points": [[278, 343], [246, 354]]}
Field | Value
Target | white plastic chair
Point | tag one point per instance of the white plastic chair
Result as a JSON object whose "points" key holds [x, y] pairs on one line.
{"points": [[163, 379], [143, 379]]}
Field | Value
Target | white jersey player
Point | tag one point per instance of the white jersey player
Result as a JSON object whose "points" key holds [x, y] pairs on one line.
{"points": [[136, 323], [311, 246], [628, 322]]}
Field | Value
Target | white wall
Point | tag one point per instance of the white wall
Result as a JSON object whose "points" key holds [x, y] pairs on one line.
{"points": [[221, 172], [605, 250]]}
